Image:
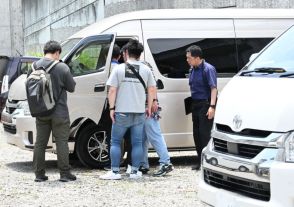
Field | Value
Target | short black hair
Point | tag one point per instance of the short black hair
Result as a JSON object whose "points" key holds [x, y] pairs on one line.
{"points": [[195, 51], [135, 48], [123, 48], [52, 47], [115, 52]]}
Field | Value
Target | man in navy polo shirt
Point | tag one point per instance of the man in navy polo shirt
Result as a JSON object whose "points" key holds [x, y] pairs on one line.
{"points": [[203, 86]]}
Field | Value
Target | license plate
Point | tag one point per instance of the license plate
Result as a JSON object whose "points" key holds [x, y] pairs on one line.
{"points": [[225, 200], [6, 118]]}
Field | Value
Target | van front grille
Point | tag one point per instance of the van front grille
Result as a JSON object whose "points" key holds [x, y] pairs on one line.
{"points": [[244, 132], [10, 110], [9, 128], [220, 145], [242, 150], [250, 188]]}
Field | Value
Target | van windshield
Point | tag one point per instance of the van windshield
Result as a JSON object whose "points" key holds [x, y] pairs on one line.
{"points": [[278, 58], [67, 46]]}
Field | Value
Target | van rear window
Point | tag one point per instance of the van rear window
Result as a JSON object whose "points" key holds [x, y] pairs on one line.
{"points": [[3, 66], [170, 54]]}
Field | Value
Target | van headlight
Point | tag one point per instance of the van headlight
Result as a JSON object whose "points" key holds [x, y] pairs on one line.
{"points": [[25, 106], [289, 148]]}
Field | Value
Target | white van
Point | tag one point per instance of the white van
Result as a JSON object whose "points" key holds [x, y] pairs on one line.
{"points": [[227, 36], [249, 160]]}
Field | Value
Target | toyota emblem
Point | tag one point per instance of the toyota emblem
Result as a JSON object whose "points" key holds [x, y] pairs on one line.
{"points": [[237, 121]]}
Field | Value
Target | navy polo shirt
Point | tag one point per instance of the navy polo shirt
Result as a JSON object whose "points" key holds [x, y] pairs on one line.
{"points": [[201, 80], [114, 62]]}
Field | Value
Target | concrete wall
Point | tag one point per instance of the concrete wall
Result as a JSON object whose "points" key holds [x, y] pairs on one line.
{"points": [[11, 30], [118, 6], [55, 19]]}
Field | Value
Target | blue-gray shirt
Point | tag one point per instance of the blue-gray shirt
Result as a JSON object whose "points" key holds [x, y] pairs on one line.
{"points": [[201, 80]]}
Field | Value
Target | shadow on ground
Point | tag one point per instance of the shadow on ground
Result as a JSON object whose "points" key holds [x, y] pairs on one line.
{"points": [[51, 165]]}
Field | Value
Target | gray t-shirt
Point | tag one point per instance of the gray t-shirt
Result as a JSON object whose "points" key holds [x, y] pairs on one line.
{"points": [[62, 81], [130, 97]]}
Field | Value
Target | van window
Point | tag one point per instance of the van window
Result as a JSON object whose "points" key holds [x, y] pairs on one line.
{"points": [[280, 54], [67, 46], [89, 59], [25, 67], [3, 66], [248, 46], [170, 55]]}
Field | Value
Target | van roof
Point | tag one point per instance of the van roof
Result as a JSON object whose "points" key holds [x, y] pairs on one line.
{"points": [[104, 24]]}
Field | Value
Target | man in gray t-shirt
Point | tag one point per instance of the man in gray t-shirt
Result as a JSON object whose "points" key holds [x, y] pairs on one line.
{"points": [[127, 108], [130, 97]]}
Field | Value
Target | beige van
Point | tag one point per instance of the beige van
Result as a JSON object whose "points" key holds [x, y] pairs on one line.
{"points": [[227, 36]]}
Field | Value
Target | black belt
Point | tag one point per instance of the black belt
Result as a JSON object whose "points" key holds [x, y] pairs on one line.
{"points": [[200, 100]]}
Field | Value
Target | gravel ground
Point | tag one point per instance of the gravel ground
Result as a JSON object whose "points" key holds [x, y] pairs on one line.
{"points": [[17, 187]]}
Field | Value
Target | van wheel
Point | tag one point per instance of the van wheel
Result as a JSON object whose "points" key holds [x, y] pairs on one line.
{"points": [[92, 146]]}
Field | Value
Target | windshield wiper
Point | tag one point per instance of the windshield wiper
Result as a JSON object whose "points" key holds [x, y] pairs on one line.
{"points": [[268, 70], [287, 75]]}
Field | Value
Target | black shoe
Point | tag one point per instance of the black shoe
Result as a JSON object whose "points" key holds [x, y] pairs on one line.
{"points": [[196, 167], [163, 170], [144, 170], [41, 178], [66, 177]]}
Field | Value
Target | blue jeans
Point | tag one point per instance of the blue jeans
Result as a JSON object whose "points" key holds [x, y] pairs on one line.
{"points": [[152, 134], [123, 122]]}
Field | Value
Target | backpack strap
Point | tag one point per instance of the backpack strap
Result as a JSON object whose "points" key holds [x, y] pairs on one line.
{"points": [[136, 74], [51, 66], [33, 67], [47, 69]]}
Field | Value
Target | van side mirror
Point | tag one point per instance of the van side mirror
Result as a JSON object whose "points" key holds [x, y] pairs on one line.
{"points": [[159, 84], [253, 56]]}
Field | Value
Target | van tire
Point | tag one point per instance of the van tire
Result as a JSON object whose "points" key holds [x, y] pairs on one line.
{"points": [[92, 146]]}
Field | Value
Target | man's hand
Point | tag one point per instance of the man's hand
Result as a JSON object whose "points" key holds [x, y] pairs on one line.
{"points": [[154, 107], [112, 116], [111, 100], [148, 113], [210, 113]]}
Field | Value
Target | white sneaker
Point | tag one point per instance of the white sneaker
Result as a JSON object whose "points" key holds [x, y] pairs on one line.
{"points": [[110, 176], [129, 169], [136, 175]]}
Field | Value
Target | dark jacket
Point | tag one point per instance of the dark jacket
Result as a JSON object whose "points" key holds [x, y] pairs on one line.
{"points": [[62, 81]]}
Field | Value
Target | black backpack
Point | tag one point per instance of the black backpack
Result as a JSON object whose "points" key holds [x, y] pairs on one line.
{"points": [[40, 91]]}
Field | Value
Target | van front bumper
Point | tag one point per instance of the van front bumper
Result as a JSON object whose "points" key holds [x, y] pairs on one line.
{"points": [[279, 177], [19, 130]]}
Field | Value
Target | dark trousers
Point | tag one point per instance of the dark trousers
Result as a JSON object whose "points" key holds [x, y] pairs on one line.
{"points": [[60, 131], [201, 126]]}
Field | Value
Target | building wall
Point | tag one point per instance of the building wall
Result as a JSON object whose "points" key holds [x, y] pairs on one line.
{"points": [[11, 30], [55, 19], [117, 6]]}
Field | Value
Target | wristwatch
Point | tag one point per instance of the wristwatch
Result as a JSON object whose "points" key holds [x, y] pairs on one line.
{"points": [[212, 106], [113, 108]]}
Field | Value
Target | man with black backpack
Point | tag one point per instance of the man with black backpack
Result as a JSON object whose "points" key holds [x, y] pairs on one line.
{"points": [[51, 87]]}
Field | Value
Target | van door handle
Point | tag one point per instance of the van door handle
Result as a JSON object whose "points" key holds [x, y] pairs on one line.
{"points": [[100, 87], [159, 84]]}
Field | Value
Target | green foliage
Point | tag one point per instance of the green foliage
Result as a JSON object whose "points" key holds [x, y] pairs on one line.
{"points": [[35, 54], [88, 60]]}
